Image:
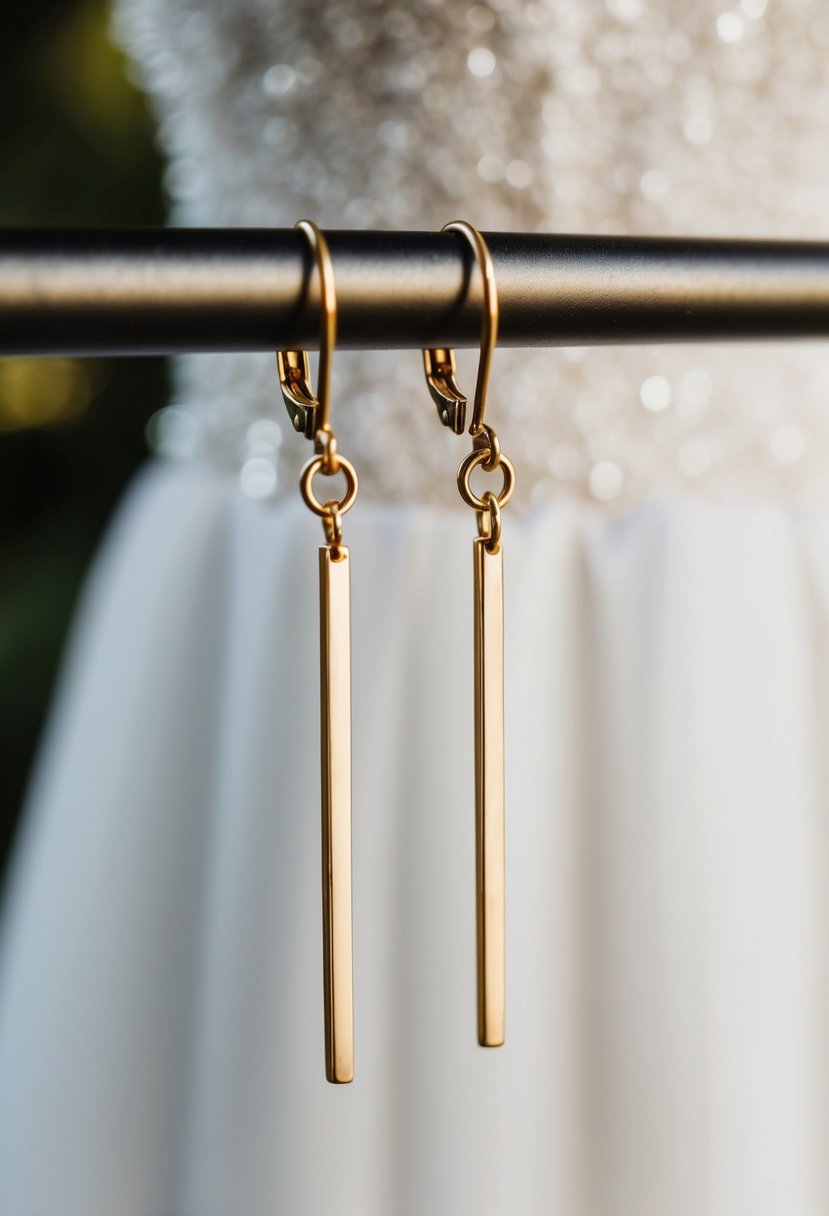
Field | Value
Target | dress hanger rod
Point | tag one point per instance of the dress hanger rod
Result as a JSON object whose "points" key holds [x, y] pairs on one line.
{"points": [[148, 291]]}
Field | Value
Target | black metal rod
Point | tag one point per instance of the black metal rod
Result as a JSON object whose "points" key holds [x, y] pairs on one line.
{"points": [[165, 291]]}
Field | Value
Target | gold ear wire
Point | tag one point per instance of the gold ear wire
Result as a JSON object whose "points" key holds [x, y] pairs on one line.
{"points": [[310, 412], [439, 363]]}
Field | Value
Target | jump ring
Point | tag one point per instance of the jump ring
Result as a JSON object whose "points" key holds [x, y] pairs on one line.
{"points": [[490, 531], [486, 440], [478, 458], [333, 524], [325, 444], [317, 465]]}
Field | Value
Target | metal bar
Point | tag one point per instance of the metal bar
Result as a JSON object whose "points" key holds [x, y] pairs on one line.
{"points": [[165, 291], [335, 740], [489, 789]]}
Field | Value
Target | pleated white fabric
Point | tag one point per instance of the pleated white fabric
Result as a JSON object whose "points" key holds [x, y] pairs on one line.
{"points": [[161, 1046]]}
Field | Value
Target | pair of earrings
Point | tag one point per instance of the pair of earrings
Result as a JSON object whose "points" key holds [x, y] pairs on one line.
{"points": [[311, 415]]}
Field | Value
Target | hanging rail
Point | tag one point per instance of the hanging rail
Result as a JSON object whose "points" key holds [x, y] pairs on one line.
{"points": [[165, 291]]}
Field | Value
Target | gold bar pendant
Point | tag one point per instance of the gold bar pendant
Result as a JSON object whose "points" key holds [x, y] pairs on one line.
{"points": [[489, 789], [335, 703]]}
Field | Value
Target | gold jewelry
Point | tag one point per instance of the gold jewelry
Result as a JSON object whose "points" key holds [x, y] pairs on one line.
{"points": [[310, 414], [486, 454]]}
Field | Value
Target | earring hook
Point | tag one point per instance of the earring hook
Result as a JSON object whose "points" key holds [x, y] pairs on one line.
{"points": [[311, 413], [439, 364]]}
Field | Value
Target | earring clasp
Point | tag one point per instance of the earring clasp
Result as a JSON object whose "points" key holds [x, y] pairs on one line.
{"points": [[439, 363], [309, 412], [440, 368]]}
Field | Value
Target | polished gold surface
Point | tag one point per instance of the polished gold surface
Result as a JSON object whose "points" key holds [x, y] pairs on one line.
{"points": [[489, 788], [335, 705]]}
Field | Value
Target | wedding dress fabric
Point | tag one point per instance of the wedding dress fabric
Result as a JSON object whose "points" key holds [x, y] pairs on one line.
{"points": [[667, 675]]}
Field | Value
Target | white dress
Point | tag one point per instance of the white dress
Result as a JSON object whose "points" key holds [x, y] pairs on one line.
{"points": [[667, 673]]}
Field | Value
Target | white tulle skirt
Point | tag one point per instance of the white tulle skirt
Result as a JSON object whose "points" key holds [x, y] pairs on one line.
{"points": [[667, 690]]}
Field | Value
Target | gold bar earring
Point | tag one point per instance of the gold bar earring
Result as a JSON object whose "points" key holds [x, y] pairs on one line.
{"points": [[310, 415], [486, 454]]}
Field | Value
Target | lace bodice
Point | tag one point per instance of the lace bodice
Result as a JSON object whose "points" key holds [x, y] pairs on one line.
{"points": [[547, 115]]}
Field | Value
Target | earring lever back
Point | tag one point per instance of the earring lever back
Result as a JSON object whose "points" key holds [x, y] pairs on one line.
{"points": [[309, 411], [439, 366], [295, 382]]}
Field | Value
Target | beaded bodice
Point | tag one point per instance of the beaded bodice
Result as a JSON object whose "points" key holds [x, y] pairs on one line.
{"points": [[525, 115]]}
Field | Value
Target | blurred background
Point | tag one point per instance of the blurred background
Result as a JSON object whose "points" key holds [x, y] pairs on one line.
{"points": [[77, 149]]}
